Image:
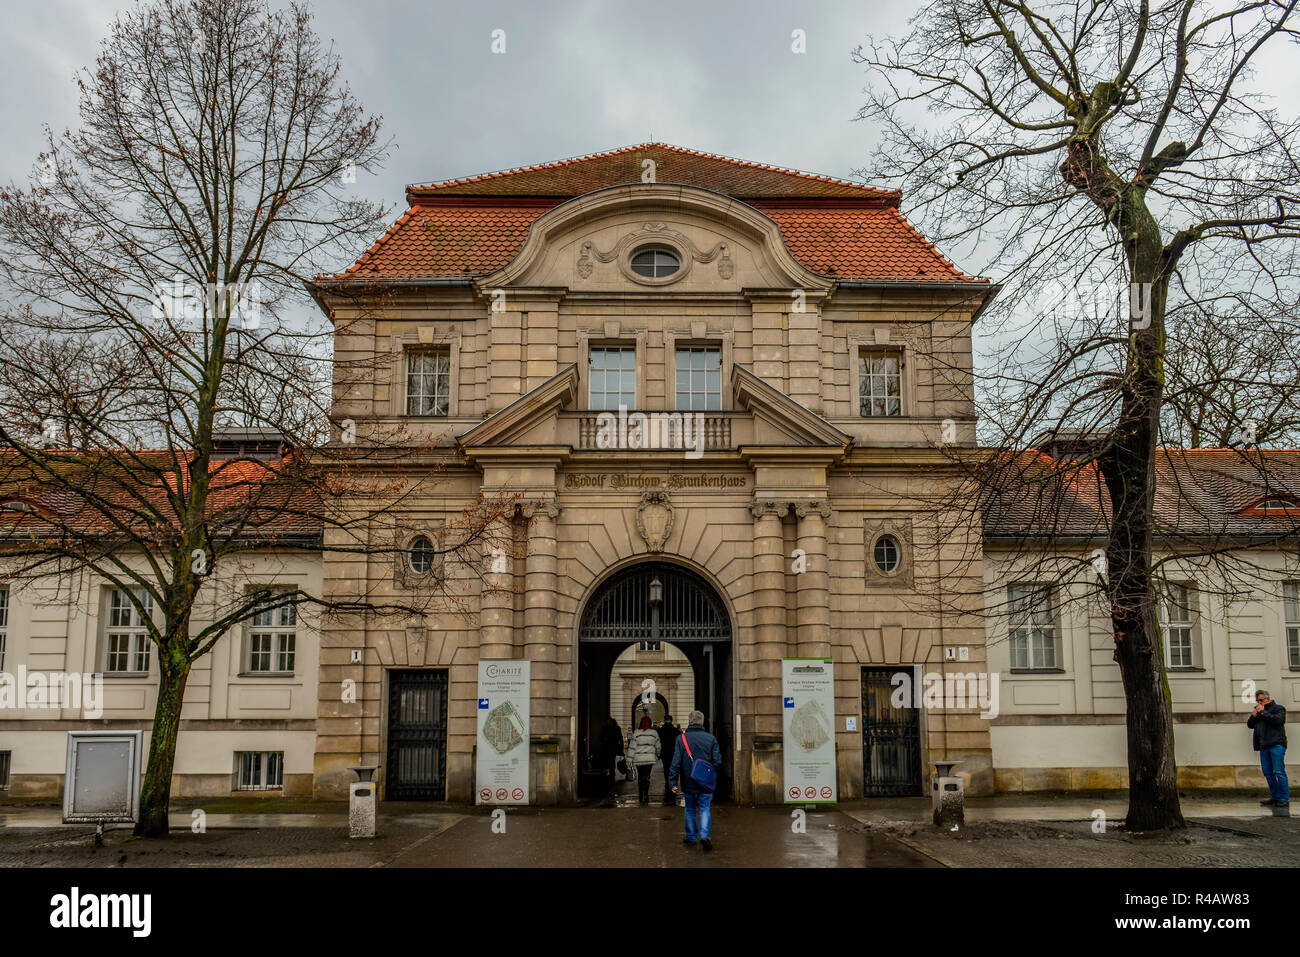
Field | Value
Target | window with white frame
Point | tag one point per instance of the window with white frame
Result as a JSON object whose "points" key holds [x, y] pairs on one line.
{"points": [[260, 770], [1179, 620], [428, 382], [126, 637], [4, 623], [1291, 617], [698, 378], [612, 379], [272, 637], [880, 382], [1033, 628]]}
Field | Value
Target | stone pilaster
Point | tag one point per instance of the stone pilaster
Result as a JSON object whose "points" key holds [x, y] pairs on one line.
{"points": [[496, 604], [812, 609], [539, 613]]}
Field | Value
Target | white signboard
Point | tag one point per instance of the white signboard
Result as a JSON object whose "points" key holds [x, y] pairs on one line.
{"points": [[808, 724], [504, 694], [102, 778]]}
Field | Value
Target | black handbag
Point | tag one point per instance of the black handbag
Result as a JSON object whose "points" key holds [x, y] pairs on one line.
{"points": [[622, 766]]}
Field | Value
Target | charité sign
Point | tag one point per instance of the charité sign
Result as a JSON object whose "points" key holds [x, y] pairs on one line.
{"points": [[657, 480]]}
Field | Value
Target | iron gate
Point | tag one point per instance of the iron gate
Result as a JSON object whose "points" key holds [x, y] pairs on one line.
{"points": [[417, 736], [891, 738]]}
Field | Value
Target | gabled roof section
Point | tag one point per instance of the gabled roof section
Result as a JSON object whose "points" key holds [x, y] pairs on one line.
{"points": [[672, 164], [770, 404]]}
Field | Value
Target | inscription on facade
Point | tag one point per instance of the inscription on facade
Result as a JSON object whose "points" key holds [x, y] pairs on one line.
{"points": [[662, 480]]}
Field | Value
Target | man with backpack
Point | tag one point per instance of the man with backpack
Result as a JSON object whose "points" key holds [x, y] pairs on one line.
{"points": [[696, 760]]}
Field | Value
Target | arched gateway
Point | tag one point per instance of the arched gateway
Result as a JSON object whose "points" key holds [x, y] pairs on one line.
{"points": [[653, 601]]}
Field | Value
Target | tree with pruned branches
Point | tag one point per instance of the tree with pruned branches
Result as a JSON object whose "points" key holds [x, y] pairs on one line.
{"points": [[1123, 163]]}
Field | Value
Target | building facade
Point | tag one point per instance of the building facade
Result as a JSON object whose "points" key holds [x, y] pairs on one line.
{"points": [[717, 400]]}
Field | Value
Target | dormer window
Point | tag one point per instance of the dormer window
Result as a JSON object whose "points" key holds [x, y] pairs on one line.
{"points": [[19, 506], [655, 262], [1274, 505]]}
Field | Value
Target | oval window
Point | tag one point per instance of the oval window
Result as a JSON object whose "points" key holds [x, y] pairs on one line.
{"points": [[655, 263], [888, 554], [421, 556]]}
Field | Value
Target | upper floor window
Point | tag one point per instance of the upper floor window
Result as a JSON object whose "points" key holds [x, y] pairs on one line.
{"points": [[654, 263], [1291, 616], [4, 623], [1179, 614], [699, 378], [1033, 628], [272, 640], [613, 377], [880, 382], [428, 382], [126, 636]]}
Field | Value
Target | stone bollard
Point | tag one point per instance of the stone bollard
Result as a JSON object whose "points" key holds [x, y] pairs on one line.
{"points": [[361, 803], [947, 795]]}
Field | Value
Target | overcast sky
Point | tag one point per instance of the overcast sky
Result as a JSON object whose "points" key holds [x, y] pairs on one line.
{"points": [[576, 77]]}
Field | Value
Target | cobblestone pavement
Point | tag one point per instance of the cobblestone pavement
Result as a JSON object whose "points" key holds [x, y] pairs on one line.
{"points": [[1000, 832]]}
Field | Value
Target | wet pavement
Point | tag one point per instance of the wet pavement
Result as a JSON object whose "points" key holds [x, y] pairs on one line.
{"points": [[1003, 831]]}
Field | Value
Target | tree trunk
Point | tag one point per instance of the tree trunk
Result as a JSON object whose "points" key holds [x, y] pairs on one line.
{"points": [[155, 793], [1128, 466]]}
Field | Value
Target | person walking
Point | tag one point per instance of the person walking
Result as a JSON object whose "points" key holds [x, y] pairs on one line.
{"points": [[611, 746], [695, 744], [643, 753], [1269, 723], [668, 734]]}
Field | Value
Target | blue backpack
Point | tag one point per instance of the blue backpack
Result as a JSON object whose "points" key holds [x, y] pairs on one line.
{"points": [[702, 772]]}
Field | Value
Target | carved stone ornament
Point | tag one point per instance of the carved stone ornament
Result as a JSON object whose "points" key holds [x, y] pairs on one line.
{"points": [[654, 520], [662, 234]]}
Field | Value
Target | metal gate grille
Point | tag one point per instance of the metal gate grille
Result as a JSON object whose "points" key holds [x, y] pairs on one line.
{"points": [[891, 739], [621, 610], [417, 736]]}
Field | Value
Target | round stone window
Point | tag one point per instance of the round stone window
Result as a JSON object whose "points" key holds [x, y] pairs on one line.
{"points": [[421, 555], [655, 262], [888, 554]]}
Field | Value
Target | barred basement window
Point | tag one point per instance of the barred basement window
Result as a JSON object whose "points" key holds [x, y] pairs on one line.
{"points": [[1291, 615], [127, 638], [1033, 628], [272, 640], [4, 623], [6, 758], [260, 770], [428, 382]]}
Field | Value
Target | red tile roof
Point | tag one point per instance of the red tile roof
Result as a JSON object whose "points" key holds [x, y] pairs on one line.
{"points": [[476, 225], [1199, 493], [673, 164]]}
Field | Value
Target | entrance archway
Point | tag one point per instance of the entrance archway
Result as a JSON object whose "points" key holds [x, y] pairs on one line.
{"points": [[690, 614]]}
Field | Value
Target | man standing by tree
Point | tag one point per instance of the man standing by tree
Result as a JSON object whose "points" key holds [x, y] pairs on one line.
{"points": [[1268, 720]]}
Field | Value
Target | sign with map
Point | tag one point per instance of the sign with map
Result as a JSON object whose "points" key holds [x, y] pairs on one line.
{"points": [[501, 767], [808, 723]]}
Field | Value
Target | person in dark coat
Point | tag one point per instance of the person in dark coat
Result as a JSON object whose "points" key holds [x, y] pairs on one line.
{"points": [[668, 735], [1268, 722], [698, 745], [611, 746]]}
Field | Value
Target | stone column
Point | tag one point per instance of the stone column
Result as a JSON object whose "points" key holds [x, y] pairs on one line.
{"points": [[769, 609], [812, 610], [496, 602], [539, 613]]}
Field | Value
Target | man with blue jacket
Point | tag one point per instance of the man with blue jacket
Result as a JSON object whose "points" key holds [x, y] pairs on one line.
{"points": [[698, 745]]}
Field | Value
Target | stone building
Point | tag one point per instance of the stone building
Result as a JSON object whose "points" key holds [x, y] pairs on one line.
{"points": [[820, 352]]}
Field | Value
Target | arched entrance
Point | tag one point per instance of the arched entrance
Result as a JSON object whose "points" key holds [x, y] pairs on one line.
{"points": [[653, 602]]}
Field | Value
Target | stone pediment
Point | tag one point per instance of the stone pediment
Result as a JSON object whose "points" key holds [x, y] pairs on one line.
{"points": [[779, 419], [531, 418], [534, 420]]}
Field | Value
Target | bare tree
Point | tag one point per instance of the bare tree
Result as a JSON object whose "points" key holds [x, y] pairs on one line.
{"points": [[152, 274], [1114, 156]]}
